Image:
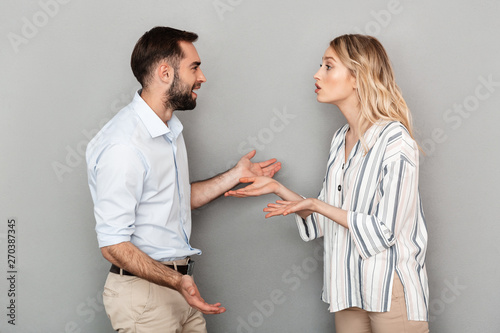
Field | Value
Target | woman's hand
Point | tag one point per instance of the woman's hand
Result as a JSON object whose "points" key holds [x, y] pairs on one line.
{"points": [[259, 186], [306, 207], [302, 207]]}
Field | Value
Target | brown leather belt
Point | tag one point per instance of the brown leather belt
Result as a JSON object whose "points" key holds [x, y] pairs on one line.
{"points": [[183, 269]]}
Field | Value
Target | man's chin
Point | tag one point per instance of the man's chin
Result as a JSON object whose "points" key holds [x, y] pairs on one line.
{"points": [[188, 107]]}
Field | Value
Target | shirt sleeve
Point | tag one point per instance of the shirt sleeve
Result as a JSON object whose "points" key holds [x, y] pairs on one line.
{"points": [[398, 193], [311, 227], [119, 174]]}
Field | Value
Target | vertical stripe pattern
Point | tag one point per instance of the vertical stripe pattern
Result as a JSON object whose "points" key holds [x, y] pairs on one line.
{"points": [[387, 231]]}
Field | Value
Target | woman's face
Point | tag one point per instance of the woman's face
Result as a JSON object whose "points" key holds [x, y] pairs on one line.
{"points": [[334, 82]]}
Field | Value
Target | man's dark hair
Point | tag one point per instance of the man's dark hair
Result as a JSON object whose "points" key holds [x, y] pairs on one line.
{"points": [[159, 43]]}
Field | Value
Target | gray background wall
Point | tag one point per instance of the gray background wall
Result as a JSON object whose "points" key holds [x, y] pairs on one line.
{"points": [[65, 72]]}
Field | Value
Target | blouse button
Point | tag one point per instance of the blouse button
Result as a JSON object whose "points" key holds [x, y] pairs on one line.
{"points": [[340, 187]]}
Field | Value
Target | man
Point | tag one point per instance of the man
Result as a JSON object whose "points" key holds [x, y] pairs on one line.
{"points": [[139, 181]]}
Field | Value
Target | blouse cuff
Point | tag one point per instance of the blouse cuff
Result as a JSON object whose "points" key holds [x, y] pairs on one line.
{"points": [[370, 235]]}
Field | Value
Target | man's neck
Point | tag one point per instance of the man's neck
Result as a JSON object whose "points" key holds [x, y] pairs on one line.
{"points": [[155, 101]]}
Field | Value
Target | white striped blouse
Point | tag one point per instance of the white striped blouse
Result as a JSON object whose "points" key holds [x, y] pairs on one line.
{"points": [[387, 231]]}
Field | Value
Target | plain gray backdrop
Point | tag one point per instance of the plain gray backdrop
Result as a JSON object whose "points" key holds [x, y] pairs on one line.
{"points": [[65, 72]]}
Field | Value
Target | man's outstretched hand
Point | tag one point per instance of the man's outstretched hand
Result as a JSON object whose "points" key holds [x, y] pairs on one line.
{"points": [[252, 169]]}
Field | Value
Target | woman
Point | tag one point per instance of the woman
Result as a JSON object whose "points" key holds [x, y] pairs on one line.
{"points": [[369, 210]]}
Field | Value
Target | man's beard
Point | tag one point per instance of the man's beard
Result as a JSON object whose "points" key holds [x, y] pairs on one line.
{"points": [[179, 96]]}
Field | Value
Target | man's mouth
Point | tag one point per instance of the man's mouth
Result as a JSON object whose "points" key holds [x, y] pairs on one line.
{"points": [[195, 88]]}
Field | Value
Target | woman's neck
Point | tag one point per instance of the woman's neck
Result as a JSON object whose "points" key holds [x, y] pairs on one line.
{"points": [[351, 114]]}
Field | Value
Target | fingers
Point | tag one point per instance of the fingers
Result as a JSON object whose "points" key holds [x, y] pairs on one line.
{"points": [[242, 193], [251, 154], [194, 299], [279, 204], [273, 213], [232, 193], [267, 163], [270, 166], [271, 170], [211, 308], [283, 202], [279, 208], [206, 308], [247, 180], [275, 205], [238, 193]]}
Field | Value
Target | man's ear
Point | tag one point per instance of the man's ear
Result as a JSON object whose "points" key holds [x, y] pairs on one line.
{"points": [[165, 72]]}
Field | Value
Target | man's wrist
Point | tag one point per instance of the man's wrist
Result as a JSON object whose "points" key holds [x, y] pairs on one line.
{"points": [[236, 173], [233, 176], [178, 281]]}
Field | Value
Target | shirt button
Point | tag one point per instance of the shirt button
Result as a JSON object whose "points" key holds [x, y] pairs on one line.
{"points": [[340, 188]]}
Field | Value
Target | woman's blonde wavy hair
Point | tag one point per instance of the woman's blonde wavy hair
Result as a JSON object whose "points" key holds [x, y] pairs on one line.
{"points": [[378, 93]]}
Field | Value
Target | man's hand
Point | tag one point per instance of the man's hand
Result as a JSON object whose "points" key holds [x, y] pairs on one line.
{"points": [[190, 292], [248, 168], [207, 190], [130, 258]]}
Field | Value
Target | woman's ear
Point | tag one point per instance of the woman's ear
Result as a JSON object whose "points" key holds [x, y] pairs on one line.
{"points": [[354, 83]]}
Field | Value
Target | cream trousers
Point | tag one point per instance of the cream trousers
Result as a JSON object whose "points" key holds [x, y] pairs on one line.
{"points": [[135, 305], [356, 320]]}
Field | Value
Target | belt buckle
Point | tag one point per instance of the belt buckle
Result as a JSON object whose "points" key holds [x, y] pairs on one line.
{"points": [[190, 267]]}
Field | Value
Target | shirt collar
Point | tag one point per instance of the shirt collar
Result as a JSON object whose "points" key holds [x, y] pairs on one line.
{"points": [[372, 133], [155, 126]]}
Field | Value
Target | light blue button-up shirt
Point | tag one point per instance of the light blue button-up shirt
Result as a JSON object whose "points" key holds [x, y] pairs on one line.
{"points": [[139, 181]]}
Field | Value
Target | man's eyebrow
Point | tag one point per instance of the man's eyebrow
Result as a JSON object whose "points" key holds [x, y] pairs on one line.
{"points": [[195, 63]]}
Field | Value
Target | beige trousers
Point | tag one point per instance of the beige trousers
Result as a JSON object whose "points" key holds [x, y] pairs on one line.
{"points": [[356, 320], [135, 305]]}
